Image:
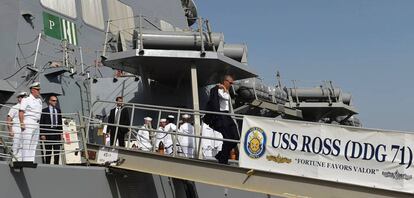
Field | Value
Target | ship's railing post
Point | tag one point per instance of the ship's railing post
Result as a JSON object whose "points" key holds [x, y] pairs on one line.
{"points": [[175, 137], [198, 131], [81, 61], [118, 118], [328, 90], [296, 92], [209, 35], [333, 91], [106, 38], [154, 134], [130, 125], [200, 30], [37, 50], [84, 139]]}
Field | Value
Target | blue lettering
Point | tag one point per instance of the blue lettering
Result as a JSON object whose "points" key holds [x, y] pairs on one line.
{"points": [[354, 149], [273, 140], [327, 146], [294, 140], [285, 140], [317, 145], [336, 144], [306, 141], [377, 155], [368, 147]]}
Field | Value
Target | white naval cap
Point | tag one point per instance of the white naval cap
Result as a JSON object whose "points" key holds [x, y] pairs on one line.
{"points": [[170, 116], [148, 119], [163, 120], [35, 85], [22, 94], [186, 116]]}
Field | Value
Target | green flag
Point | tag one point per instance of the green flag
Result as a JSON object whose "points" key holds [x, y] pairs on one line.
{"points": [[52, 26], [59, 28]]}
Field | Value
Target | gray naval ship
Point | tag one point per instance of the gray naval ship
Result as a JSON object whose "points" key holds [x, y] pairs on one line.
{"points": [[163, 58]]}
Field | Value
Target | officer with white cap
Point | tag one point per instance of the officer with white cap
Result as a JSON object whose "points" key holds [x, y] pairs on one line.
{"points": [[143, 136], [29, 115], [186, 142], [13, 126], [170, 127]]}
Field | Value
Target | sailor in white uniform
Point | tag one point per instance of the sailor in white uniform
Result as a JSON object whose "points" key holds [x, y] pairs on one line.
{"points": [[143, 136], [29, 115], [186, 142], [208, 146], [13, 126], [168, 141], [159, 136]]}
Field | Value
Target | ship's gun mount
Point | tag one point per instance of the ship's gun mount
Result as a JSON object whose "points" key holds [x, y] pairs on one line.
{"points": [[253, 97], [324, 103]]}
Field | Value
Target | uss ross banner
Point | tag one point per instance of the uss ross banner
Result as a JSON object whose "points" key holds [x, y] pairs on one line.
{"points": [[366, 157]]}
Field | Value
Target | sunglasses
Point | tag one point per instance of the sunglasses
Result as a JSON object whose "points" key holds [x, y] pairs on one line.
{"points": [[53, 100], [231, 82]]}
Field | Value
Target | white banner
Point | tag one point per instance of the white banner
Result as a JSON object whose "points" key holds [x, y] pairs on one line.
{"points": [[380, 159]]}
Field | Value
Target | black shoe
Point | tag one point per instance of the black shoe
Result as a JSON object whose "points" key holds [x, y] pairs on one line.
{"points": [[218, 156]]}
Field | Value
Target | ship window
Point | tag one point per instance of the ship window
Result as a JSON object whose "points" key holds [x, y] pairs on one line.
{"points": [[122, 19], [92, 13], [66, 7]]}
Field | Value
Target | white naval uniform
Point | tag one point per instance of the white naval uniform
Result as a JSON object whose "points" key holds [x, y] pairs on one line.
{"points": [[159, 137], [32, 108], [210, 147], [187, 142], [224, 98], [17, 139], [168, 142], [143, 139]]}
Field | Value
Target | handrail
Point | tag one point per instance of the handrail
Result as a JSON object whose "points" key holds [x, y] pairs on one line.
{"points": [[175, 135], [10, 137]]}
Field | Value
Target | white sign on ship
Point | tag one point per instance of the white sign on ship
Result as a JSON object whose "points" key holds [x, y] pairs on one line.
{"points": [[366, 157]]}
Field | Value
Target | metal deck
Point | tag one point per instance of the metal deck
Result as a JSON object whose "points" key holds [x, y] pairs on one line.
{"points": [[236, 177]]}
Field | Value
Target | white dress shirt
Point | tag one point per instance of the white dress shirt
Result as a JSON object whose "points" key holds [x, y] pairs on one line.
{"points": [[53, 113], [224, 98]]}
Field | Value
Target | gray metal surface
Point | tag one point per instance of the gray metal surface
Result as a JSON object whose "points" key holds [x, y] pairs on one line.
{"points": [[235, 177], [152, 63], [54, 181]]}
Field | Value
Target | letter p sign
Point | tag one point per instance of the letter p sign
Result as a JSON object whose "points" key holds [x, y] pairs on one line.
{"points": [[51, 24]]}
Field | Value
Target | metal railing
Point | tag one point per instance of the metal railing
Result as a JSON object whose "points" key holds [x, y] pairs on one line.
{"points": [[14, 141], [203, 28], [158, 112]]}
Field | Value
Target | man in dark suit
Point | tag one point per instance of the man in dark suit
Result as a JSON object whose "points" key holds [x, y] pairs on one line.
{"points": [[118, 113], [51, 130], [220, 101]]}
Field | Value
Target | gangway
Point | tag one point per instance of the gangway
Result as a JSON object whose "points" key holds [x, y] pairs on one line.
{"points": [[230, 176]]}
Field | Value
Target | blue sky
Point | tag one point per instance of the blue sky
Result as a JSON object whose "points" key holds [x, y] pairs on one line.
{"points": [[366, 47]]}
